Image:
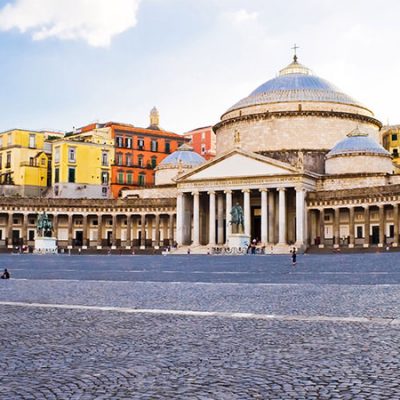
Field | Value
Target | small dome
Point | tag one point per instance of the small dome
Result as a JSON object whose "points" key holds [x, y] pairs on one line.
{"points": [[184, 157], [357, 142], [295, 83]]}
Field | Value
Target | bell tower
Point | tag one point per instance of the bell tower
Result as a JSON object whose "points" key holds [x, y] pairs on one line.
{"points": [[154, 118]]}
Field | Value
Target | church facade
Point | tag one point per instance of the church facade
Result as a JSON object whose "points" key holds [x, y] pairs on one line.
{"points": [[302, 158]]}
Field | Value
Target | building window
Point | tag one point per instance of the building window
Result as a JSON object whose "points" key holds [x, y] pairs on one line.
{"points": [[128, 159], [71, 154], [104, 159], [57, 154], [104, 192], [119, 141], [203, 149], [42, 162], [395, 152], [71, 175], [32, 141], [1, 141], [129, 178], [140, 161], [153, 162], [31, 235], [168, 147], [8, 162], [203, 136], [119, 159], [1, 161], [120, 177], [128, 142], [104, 178], [359, 232], [154, 145], [140, 144], [56, 175], [142, 179], [9, 139], [31, 161], [394, 136]]}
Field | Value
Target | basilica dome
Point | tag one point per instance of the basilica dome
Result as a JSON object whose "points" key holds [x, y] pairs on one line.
{"points": [[358, 153], [295, 83], [178, 162], [295, 111]]}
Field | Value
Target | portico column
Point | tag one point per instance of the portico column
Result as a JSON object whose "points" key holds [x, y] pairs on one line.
{"points": [[114, 231], [396, 225], [366, 226], [196, 218], [220, 218], [143, 231], [157, 228], [211, 233], [100, 231], [179, 219], [264, 216], [300, 216], [55, 226], [351, 227], [25, 229], [322, 227], [282, 215], [9, 229], [85, 230], [247, 212], [171, 229], [128, 231], [382, 225], [70, 239], [336, 229], [228, 202]]}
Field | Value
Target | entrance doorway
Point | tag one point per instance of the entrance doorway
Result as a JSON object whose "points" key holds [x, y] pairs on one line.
{"points": [[375, 234], [256, 223], [15, 238], [78, 238], [109, 238]]}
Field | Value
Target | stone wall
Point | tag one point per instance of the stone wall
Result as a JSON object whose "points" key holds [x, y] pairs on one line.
{"points": [[359, 164], [295, 132]]}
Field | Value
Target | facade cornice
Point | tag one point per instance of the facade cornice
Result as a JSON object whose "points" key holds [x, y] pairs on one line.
{"points": [[291, 114]]}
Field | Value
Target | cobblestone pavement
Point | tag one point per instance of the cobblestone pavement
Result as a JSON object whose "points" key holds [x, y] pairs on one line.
{"points": [[65, 353]]}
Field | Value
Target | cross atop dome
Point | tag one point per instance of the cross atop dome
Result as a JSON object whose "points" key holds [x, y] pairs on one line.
{"points": [[294, 48]]}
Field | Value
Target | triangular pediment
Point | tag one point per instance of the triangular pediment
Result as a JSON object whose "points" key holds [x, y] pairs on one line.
{"points": [[239, 164]]}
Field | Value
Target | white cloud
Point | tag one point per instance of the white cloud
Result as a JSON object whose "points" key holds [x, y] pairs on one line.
{"points": [[241, 16], [94, 21]]}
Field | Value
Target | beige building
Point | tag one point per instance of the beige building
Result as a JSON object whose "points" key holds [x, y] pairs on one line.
{"points": [[301, 157]]}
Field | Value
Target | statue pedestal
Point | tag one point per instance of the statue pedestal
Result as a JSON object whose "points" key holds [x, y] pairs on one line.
{"points": [[238, 240], [45, 245]]}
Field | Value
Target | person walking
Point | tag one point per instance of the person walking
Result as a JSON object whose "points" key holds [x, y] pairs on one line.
{"points": [[294, 257]]}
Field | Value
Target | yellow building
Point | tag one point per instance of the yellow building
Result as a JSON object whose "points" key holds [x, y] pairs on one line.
{"points": [[81, 164], [391, 141], [24, 168]]}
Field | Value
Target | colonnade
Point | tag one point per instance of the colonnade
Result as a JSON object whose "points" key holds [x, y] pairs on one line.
{"points": [[354, 225], [115, 230], [203, 216]]}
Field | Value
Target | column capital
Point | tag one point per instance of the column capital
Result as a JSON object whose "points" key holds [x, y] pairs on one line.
{"points": [[195, 193], [263, 190], [245, 190], [228, 191], [281, 189], [211, 192], [366, 207], [300, 188]]}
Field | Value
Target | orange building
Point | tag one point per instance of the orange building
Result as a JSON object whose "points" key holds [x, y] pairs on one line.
{"points": [[203, 141], [138, 151]]}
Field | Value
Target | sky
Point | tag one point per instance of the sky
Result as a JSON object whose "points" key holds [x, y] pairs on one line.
{"points": [[65, 64]]}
